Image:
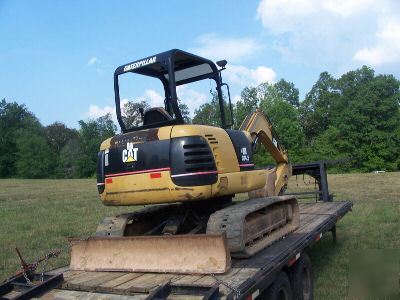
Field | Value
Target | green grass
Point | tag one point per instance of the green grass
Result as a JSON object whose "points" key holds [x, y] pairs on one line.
{"points": [[39, 215], [374, 223]]}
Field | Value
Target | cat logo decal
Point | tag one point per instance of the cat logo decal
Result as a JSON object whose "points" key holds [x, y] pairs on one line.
{"points": [[129, 154]]}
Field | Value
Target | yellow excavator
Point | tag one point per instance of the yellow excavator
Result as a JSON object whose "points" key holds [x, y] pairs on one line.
{"points": [[186, 175]]}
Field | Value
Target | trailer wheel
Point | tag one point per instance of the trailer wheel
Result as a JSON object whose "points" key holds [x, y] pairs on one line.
{"points": [[280, 289], [301, 279]]}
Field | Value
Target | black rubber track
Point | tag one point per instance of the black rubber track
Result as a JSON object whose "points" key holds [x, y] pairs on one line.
{"points": [[231, 220]]}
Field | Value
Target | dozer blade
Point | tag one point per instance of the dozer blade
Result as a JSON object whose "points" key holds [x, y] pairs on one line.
{"points": [[185, 254]]}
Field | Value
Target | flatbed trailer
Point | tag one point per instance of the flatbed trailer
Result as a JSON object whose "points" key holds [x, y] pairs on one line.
{"points": [[247, 279]]}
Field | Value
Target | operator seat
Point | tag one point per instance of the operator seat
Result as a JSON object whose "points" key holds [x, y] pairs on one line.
{"points": [[156, 115]]}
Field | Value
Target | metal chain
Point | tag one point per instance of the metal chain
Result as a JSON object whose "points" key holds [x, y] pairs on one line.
{"points": [[52, 254], [26, 278], [237, 292], [34, 266]]}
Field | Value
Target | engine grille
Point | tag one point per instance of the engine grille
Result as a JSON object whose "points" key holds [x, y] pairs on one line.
{"points": [[192, 161], [198, 157]]}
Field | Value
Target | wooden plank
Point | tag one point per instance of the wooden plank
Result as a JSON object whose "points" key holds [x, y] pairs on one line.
{"points": [[305, 219], [205, 280], [111, 284], [144, 283], [71, 274], [232, 283], [77, 282], [188, 279], [92, 284], [185, 297], [324, 208], [230, 273], [310, 209], [305, 206], [81, 295]]}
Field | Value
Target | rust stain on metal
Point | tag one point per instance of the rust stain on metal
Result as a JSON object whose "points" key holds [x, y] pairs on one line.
{"points": [[184, 189], [223, 185], [136, 137]]}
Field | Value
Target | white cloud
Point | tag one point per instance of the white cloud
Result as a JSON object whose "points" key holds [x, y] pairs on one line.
{"points": [[153, 98], [235, 99], [216, 47], [92, 61], [243, 76], [333, 33], [97, 111], [386, 48], [192, 98]]}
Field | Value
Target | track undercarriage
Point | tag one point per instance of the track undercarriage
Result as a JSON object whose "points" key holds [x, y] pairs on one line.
{"points": [[198, 237]]}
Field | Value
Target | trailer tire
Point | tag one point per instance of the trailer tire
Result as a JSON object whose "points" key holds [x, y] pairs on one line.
{"points": [[280, 289], [301, 279]]}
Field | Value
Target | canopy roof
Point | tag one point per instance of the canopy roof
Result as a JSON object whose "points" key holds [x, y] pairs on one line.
{"points": [[188, 67]]}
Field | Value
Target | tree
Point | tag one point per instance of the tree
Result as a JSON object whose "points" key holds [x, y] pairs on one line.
{"points": [[285, 120], [71, 163], [355, 116], [185, 112], [91, 134], [131, 113], [210, 113], [34, 157], [58, 135], [247, 104], [315, 109], [13, 117], [288, 92], [207, 114], [367, 117]]}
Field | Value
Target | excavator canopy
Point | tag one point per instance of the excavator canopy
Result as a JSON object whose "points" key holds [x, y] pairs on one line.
{"points": [[173, 68]]}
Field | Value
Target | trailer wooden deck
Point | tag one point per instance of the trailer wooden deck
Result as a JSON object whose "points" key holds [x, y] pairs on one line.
{"points": [[244, 278]]}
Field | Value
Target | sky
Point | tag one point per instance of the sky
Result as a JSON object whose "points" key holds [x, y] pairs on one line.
{"points": [[58, 57]]}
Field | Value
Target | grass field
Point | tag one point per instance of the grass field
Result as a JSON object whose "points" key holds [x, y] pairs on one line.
{"points": [[39, 215]]}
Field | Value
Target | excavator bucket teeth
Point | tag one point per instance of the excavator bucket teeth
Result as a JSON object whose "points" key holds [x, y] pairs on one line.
{"points": [[185, 254]]}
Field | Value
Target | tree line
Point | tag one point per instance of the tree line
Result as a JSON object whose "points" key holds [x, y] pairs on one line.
{"points": [[356, 117]]}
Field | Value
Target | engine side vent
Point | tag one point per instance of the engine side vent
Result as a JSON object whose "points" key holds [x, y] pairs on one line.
{"points": [[198, 157], [211, 139], [192, 162]]}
